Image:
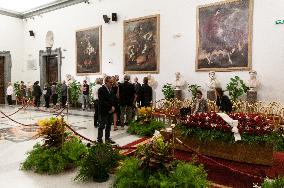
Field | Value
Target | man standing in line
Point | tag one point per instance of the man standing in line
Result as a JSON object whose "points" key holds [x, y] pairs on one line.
{"points": [[64, 94], [95, 90], [106, 109], [85, 94], [126, 100]]}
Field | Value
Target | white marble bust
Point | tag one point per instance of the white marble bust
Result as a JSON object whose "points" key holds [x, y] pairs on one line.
{"points": [[253, 83], [213, 81], [178, 83]]}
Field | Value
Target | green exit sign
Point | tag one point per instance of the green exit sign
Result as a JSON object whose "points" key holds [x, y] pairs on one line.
{"points": [[279, 21]]}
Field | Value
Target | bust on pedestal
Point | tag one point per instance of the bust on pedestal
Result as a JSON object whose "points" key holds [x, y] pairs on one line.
{"points": [[253, 85], [213, 83], [178, 84]]}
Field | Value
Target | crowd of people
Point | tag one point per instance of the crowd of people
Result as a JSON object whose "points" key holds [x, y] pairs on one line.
{"points": [[114, 102]]}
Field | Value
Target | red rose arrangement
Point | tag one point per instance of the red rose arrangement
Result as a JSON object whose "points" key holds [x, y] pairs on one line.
{"points": [[252, 124]]}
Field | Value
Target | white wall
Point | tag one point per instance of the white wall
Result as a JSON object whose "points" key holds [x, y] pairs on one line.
{"points": [[12, 39], [176, 54]]}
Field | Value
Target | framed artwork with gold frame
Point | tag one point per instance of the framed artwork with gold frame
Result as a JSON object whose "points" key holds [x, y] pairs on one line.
{"points": [[88, 51], [141, 45], [224, 36]]}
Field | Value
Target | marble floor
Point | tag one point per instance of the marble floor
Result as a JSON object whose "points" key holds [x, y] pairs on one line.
{"points": [[16, 140]]}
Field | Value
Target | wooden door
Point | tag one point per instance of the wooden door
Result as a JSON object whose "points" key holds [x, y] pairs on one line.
{"points": [[51, 69], [2, 81]]}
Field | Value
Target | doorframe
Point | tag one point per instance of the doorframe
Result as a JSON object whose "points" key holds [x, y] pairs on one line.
{"points": [[42, 64], [7, 69]]}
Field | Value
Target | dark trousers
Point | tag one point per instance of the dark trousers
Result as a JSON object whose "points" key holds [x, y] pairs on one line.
{"points": [[96, 114], [37, 101], [54, 99], [105, 121], [64, 100], [9, 99], [46, 98]]}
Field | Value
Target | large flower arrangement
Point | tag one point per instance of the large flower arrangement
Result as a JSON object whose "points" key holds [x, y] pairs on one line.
{"points": [[248, 123], [145, 125], [145, 114], [253, 128]]}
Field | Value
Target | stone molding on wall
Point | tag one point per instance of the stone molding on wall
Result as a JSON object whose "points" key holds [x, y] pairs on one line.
{"points": [[42, 64]]}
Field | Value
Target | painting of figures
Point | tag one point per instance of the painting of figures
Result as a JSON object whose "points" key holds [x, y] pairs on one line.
{"points": [[88, 51], [224, 36], [142, 45]]}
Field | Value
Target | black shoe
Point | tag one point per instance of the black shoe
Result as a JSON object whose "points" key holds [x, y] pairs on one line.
{"points": [[100, 141], [110, 141]]}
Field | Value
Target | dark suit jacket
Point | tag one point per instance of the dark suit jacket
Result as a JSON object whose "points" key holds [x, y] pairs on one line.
{"points": [[126, 94], [106, 100], [224, 104], [137, 88], [146, 95]]}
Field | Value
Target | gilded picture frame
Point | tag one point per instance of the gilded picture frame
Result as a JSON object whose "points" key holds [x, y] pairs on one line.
{"points": [[141, 45], [224, 36], [89, 51]]}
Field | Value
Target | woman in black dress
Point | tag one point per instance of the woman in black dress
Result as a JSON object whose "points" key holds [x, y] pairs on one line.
{"points": [[223, 101]]}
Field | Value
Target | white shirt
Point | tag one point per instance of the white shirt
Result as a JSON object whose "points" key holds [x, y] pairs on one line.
{"points": [[95, 90], [9, 90]]}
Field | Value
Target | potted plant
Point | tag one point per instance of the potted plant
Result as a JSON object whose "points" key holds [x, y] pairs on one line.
{"points": [[236, 88], [193, 89], [168, 91], [74, 92]]}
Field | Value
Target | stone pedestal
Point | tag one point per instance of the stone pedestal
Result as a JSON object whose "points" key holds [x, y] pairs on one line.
{"points": [[251, 96], [211, 95], [178, 94]]}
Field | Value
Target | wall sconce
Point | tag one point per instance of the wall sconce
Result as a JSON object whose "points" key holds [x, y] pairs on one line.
{"points": [[178, 35], [113, 18]]}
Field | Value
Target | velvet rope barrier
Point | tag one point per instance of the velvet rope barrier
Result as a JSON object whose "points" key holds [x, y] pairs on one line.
{"points": [[22, 107], [220, 164]]}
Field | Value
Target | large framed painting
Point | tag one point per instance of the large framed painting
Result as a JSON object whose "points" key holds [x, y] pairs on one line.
{"points": [[224, 36], [88, 51], [142, 45]]}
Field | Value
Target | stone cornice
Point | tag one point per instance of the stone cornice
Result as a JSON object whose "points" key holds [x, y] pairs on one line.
{"points": [[59, 4]]}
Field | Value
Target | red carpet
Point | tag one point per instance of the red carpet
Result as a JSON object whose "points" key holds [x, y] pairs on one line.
{"points": [[234, 174], [225, 176]]}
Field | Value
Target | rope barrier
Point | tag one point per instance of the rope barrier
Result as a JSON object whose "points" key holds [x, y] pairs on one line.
{"points": [[218, 163], [15, 111]]}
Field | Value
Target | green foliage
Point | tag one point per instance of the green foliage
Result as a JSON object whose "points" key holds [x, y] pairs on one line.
{"points": [[156, 155], [168, 91], [17, 89], [183, 175], [74, 92], [53, 131], [193, 89], [146, 128], [58, 91], [236, 88], [54, 160], [98, 162], [277, 183], [216, 135]]}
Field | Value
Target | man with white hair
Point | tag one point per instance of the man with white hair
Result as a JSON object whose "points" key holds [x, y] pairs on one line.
{"points": [[126, 101]]}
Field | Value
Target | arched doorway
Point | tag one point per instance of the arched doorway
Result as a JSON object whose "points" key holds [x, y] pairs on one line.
{"points": [[50, 66], [5, 73]]}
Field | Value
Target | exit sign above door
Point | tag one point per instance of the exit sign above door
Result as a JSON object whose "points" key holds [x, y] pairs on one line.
{"points": [[279, 21]]}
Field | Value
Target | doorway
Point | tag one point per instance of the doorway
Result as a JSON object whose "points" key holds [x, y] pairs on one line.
{"points": [[50, 66], [2, 80], [51, 69]]}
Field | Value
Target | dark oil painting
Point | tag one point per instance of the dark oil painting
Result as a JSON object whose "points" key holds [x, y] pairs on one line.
{"points": [[88, 51], [224, 36], [142, 45]]}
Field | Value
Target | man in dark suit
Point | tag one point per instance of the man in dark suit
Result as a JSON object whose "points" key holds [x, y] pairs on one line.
{"points": [[126, 101], [106, 109]]}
